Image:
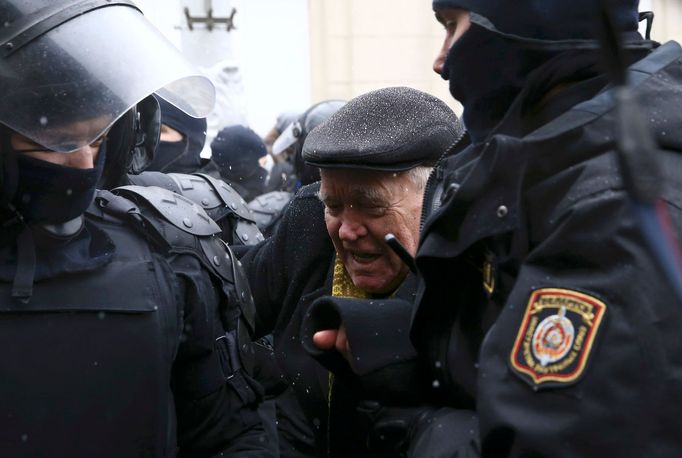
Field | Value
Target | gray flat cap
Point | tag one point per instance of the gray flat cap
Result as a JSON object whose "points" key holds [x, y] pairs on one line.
{"points": [[391, 129]]}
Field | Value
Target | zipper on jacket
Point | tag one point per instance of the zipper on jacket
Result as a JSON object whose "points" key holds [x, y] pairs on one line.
{"points": [[436, 175]]}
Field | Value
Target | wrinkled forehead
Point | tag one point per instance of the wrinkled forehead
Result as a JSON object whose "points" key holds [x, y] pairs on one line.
{"points": [[358, 184]]}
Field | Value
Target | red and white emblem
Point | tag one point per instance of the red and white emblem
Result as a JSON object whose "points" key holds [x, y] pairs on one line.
{"points": [[556, 336], [553, 338]]}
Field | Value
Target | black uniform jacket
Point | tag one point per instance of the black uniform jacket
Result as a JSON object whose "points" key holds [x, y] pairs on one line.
{"points": [[541, 307], [119, 351]]}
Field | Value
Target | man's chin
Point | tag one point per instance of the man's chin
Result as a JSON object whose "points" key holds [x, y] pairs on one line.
{"points": [[371, 285]]}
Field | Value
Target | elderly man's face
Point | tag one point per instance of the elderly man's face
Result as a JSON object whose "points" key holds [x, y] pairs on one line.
{"points": [[361, 207]]}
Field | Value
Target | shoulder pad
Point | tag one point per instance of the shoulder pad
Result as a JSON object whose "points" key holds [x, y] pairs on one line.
{"points": [[248, 233], [197, 189], [229, 196], [266, 206], [160, 179], [226, 265], [205, 193], [110, 207], [176, 209]]}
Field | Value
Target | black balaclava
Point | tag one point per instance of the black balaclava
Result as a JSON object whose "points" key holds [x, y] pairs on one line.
{"points": [[182, 156], [37, 194], [488, 66], [51, 193], [236, 151]]}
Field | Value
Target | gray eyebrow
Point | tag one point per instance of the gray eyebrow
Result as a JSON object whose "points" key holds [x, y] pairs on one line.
{"points": [[359, 193]]}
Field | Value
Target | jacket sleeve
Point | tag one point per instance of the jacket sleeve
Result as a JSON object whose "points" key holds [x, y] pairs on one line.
{"points": [[579, 361], [216, 400], [279, 268], [383, 363]]}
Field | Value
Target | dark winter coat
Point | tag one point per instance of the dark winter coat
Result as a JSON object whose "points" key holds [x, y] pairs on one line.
{"points": [[287, 273], [550, 328]]}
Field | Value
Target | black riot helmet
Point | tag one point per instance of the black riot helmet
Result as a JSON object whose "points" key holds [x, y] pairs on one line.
{"points": [[294, 136], [71, 72], [67, 62]]}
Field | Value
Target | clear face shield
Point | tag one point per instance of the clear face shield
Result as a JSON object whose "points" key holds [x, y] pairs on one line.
{"points": [[286, 138], [70, 69]]}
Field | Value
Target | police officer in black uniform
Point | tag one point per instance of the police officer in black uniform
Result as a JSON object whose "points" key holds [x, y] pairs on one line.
{"points": [[221, 201], [125, 322], [546, 322]]}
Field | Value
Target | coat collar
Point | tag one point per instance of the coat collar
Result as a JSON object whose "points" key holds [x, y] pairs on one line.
{"points": [[466, 216]]}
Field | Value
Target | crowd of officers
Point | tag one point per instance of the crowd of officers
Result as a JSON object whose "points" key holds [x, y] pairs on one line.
{"points": [[374, 278]]}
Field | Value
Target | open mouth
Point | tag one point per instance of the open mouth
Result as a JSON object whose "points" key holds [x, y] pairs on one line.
{"points": [[364, 258]]}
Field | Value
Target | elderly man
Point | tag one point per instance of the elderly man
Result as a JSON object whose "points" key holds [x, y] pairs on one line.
{"points": [[375, 156]]}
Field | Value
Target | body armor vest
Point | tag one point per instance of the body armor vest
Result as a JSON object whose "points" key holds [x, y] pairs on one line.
{"points": [[86, 362]]}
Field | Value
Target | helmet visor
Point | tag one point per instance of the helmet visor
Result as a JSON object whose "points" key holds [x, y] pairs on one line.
{"points": [[286, 138], [66, 87]]}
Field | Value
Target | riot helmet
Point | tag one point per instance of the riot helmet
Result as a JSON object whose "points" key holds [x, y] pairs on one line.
{"points": [[70, 71], [59, 68], [295, 134]]}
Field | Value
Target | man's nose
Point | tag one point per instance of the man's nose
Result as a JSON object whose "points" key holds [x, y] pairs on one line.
{"points": [[351, 229], [440, 57], [438, 63], [82, 158]]}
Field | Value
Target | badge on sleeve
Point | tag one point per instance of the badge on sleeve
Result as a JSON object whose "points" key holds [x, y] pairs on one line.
{"points": [[556, 336]]}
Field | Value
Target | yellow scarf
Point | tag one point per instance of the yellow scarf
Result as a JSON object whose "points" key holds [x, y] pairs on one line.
{"points": [[342, 286]]}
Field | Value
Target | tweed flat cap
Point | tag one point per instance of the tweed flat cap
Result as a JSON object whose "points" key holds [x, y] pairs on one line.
{"points": [[390, 129]]}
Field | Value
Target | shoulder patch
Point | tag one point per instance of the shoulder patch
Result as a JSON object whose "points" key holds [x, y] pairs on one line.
{"points": [[556, 337]]}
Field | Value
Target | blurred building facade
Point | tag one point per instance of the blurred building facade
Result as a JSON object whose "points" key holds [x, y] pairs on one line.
{"points": [[285, 55]]}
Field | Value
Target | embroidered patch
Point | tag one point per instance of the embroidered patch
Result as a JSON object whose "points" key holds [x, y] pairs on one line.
{"points": [[556, 336]]}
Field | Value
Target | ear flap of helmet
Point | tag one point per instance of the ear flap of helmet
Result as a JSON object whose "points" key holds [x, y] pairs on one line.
{"points": [[147, 130], [131, 143]]}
